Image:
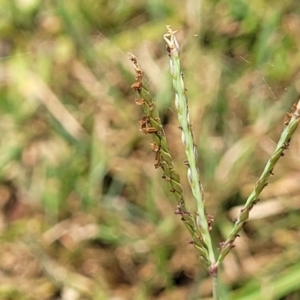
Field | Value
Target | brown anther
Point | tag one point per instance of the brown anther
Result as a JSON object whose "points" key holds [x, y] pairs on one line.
{"points": [[157, 156], [168, 50], [133, 58], [157, 165], [287, 118], [145, 125], [286, 145], [222, 245], [255, 201], [151, 105], [149, 130], [168, 178], [178, 211], [210, 220], [137, 86], [186, 163], [140, 101], [155, 147]]}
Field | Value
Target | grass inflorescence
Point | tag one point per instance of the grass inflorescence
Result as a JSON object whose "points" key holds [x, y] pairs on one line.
{"points": [[81, 214], [291, 123], [198, 224], [150, 123]]}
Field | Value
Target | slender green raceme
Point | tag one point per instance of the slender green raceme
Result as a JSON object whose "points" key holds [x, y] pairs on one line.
{"points": [[181, 104], [150, 124], [282, 145]]}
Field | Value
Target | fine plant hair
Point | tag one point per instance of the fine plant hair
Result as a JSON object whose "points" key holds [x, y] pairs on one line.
{"points": [[197, 222]]}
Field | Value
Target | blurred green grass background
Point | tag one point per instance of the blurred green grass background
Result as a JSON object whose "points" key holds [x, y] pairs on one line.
{"points": [[84, 214]]}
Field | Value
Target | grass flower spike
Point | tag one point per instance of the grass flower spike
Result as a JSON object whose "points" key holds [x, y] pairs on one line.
{"points": [[190, 148], [150, 124], [291, 123], [198, 223]]}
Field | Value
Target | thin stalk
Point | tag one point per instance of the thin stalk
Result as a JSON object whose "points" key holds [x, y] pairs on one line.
{"points": [[291, 123], [215, 288]]}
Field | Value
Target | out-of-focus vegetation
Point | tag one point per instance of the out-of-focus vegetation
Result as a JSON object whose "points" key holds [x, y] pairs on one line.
{"points": [[84, 214]]}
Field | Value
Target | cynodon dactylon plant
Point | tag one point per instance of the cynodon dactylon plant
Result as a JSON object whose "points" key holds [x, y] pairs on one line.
{"points": [[197, 222]]}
